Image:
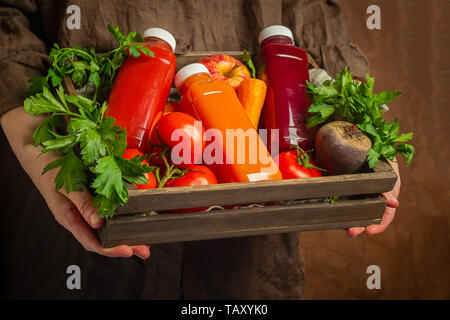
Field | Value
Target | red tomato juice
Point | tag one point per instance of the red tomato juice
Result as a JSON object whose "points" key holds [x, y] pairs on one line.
{"points": [[140, 92]]}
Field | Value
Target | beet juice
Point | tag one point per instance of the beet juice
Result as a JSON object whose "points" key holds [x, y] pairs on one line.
{"points": [[284, 68], [142, 87]]}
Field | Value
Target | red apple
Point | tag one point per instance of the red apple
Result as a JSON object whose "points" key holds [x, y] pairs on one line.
{"points": [[226, 68]]}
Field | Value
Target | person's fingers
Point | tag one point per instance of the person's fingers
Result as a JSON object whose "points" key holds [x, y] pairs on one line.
{"points": [[76, 213], [354, 232], [142, 252], [388, 216], [81, 231], [391, 199], [67, 215], [76, 225], [84, 202]]}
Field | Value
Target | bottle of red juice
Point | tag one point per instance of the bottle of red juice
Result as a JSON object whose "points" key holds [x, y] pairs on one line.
{"points": [[142, 87], [284, 68]]}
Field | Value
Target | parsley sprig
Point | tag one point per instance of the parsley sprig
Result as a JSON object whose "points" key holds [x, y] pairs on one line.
{"points": [[76, 126], [86, 67], [356, 103]]}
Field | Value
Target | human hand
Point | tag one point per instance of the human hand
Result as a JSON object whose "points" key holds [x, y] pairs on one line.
{"points": [[389, 213], [74, 211]]}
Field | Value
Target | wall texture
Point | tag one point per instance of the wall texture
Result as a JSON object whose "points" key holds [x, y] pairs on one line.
{"points": [[410, 53]]}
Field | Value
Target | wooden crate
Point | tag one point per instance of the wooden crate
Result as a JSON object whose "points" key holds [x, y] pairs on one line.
{"points": [[137, 222], [364, 208]]}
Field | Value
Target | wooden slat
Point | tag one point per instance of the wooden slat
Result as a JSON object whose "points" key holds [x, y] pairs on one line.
{"points": [[169, 228], [382, 180]]}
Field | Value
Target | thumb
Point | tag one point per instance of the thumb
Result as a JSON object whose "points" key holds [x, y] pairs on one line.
{"points": [[84, 202]]}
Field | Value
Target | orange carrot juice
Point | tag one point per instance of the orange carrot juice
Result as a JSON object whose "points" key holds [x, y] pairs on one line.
{"points": [[234, 151]]}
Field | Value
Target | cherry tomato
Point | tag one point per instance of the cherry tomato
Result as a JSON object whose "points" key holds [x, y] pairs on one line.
{"points": [[197, 175], [290, 167], [185, 125], [130, 154]]}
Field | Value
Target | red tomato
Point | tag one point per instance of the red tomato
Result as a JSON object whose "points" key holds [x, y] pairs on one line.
{"points": [[291, 169], [185, 124], [168, 108], [197, 175], [130, 154]]}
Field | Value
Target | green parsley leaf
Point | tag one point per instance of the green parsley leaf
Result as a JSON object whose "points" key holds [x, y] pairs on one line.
{"points": [[109, 179], [386, 97], [322, 112], [132, 171], [134, 52], [79, 77], [115, 137], [94, 77], [62, 143], [82, 103], [72, 173], [92, 146], [43, 131], [106, 206], [42, 103], [372, 157], [37, 85], [56, 76], [79, 125]]}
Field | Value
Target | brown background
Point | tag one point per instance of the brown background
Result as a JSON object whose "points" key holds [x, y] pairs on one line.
{"points": [[411, 54]]}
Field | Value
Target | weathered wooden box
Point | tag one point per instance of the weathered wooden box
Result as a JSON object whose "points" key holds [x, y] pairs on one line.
{"points": [[363, 208], [289, 205]]}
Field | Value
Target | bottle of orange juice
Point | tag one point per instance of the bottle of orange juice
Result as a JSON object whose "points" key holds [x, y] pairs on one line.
{"points": [[234, 151]]}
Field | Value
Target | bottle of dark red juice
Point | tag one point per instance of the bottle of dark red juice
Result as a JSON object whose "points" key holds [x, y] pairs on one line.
{"points": [[142, 87], [284, 68]]}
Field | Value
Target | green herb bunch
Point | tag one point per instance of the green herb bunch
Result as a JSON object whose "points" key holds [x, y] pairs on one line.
{"points": [[85, 66], [90, 144], [345, 98]]}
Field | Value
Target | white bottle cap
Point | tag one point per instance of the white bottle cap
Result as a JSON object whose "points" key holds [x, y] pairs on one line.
{"points": [[161, 34], [275, 31], [189, 70]]}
